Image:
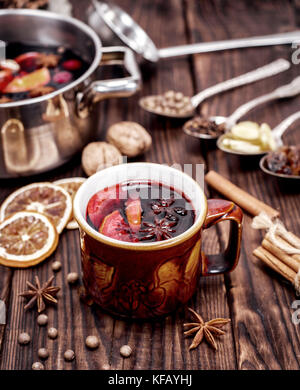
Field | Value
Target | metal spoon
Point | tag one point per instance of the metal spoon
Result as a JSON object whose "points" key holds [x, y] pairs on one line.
{"points": [[285, 91], [271, 69], [112, 23], [278, 132]]}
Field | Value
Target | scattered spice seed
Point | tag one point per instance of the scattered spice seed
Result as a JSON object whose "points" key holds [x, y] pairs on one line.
{"points": [[202, 126], [38, 366], [24, 338], [105, 366], [170, 103], [92, 342], [72, 277], [42, 319], [69, 355], [52, 333], [56, 266], [125, 351], [43, 353]]}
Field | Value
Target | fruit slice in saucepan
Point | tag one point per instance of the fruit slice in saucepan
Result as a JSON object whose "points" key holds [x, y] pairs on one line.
{"points": [[5, 78], [103, 203], [45, 198], [28, 82], [26, 239], [28, 61], [115, 227], [134, 213], [72, 64]]}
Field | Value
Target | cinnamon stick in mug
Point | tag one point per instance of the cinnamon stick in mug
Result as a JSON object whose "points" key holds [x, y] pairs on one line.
{"points": [[239, 196]]}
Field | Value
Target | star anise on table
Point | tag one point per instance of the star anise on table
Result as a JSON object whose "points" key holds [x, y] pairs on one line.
{"points": [[39, 294], [161, 229], [205, 330]]}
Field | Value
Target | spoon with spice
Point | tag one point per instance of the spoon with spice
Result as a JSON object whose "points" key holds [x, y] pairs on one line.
{"points": [[175, 105], [250, 138], [284, 162]]}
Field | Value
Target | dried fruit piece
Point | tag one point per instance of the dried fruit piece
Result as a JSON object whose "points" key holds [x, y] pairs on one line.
{"points": [[115, 227], [26, 239], [28, 82], [46, 198], [72, 64], [28, 61], [62, 77], [134, 214], [71, 185]]}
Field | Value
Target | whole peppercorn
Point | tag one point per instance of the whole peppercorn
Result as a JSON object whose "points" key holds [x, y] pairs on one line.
{"points": [[69, 355], [56, 266], [24, 338], [42, 319], [52, 333], [38, 366], [72, 277], [125, 351], [92, 342], [43, 353]]}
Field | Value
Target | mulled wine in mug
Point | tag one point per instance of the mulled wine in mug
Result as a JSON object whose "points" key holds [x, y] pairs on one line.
{"points": [[140, 228]]}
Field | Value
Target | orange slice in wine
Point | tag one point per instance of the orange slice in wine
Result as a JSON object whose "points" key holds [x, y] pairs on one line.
{"points": [[45, 198], [134, 214], [28, 82], [115, 227], [71, 185], [26, 239]]}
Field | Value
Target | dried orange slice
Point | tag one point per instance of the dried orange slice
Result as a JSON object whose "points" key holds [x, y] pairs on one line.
{"points": [[71, 185], [45, 198], [26, 239]]}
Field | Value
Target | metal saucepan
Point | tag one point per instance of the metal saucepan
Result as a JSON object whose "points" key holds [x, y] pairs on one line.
{"points": [[278, 131], [114, 25], [42, 133]]}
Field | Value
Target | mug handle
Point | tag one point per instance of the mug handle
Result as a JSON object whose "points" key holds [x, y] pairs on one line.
{"points": [[223, 210]]}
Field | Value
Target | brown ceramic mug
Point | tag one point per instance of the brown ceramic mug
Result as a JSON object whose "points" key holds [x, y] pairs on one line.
{"points": [[147, 280]]}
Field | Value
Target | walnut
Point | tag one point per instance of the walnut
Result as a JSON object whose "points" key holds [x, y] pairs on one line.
{"points": [[99, 155], [130, 138]]}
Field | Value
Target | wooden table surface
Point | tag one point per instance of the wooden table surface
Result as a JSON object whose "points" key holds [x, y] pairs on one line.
{"points": [[261, 334]]}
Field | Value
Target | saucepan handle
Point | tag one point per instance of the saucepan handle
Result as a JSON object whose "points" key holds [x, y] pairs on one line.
{"points": [[119, 87], [223, 210]]}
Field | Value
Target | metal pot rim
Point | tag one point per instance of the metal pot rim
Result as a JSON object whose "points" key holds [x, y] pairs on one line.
{"points": [[76, 23]]}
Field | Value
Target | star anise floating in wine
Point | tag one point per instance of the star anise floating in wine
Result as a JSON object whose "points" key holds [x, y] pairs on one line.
{"points": [[160, 229], [205, 330], [39, 294], [164, 206]]}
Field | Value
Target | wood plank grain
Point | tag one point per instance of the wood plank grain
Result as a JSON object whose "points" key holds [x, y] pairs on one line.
{"points": [[265, 337]]}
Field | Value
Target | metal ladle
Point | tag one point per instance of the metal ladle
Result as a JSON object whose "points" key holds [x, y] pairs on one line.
{"points": [[278, 132], [269, 70], [117, 23], [285, 91]]}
